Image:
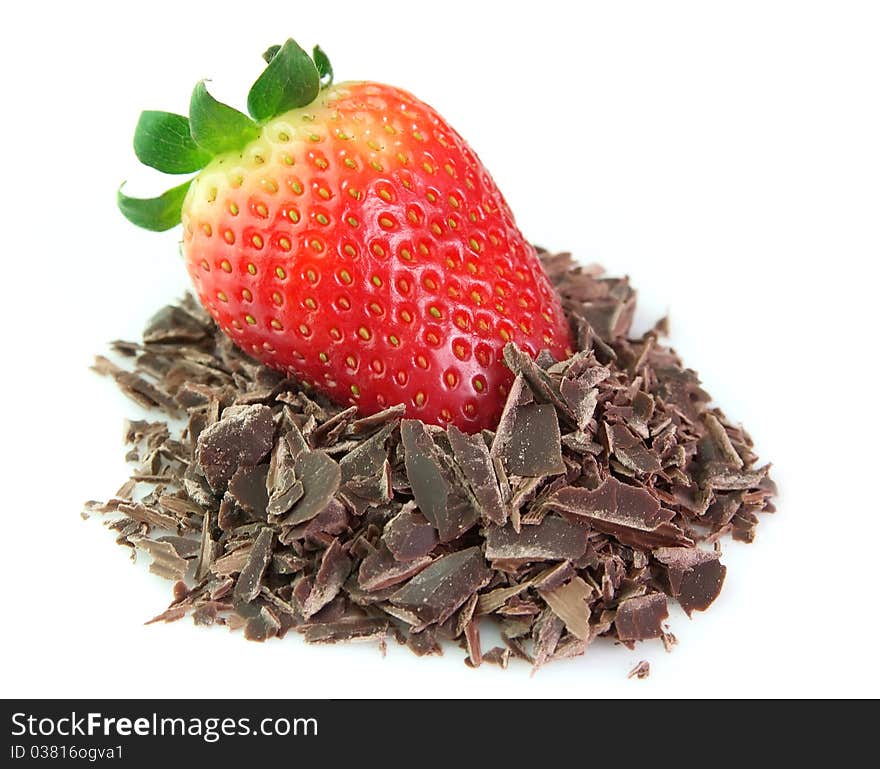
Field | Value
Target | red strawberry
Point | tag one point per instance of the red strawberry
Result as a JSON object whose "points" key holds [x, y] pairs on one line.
{"points": [[349, 236]]}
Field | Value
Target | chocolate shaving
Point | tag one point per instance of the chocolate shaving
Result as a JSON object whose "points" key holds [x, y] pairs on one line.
{"points": [[248, 487], [731, 479], [367, 458], [332, 573], [151, 516], [534, 448], [364, 629], [275, 510], [423, 643], [630, 450], [497, 656], [472, 456], [282, 485], [261, 626], [248, 585], [409, 536], [695, 576], [320, 477], [569, 603], [552, 539], [380, 570], [184, 547], [242, 438], [433, 484], [472, 643], [167, 562], [231, 563], [614, 503], [546, 634], [540, 383], [582, 398], [434, 594], [641, 617]]}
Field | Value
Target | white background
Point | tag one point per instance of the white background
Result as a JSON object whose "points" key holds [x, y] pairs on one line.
{"points": [[725, 155]]}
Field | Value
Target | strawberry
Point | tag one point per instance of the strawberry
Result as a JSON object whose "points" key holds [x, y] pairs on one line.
{"points": [[347, 235]]}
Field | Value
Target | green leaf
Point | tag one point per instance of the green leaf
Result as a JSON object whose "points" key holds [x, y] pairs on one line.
{"points": [[325, 68], [156, 214], [162, 141], [290, 80], [217, 127]]}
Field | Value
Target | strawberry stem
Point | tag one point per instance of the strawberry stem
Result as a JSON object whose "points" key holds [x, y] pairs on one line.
{"points": [[290, 80], [175, 144], [156, 214], [162, 140], [325, 68], [270, 52], [217, 127]]}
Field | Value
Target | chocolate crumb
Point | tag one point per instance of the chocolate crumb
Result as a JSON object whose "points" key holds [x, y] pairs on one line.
{"points": [[669, 641], [641, 671], [497, 656]]}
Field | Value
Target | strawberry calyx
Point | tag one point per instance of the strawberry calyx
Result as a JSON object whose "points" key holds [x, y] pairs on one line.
{"points": [[177, 144]]}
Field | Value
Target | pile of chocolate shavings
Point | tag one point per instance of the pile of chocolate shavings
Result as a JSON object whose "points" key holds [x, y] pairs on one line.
{"points": [[580, 517]]}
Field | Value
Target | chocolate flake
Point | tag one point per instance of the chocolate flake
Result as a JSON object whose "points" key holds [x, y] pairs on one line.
{"points": [[282, 485], [630, 451], [232, 562], [613, 502], [534, 448], [248, 487], [472, 643], [581, 398], [629, 513], [320, 476], [248, 585], [472, 456], [243, 438], [183, 546], [423, 643], [167, 562], [495, 599], [365, 629], [641, 617], [546, 634], [433, 484], [552, 539], [434, 594], [695, 576], [409, 536], [334, 569], [262, 625], [147, 514], [380, 570], [497, 656], [569, 603]]}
